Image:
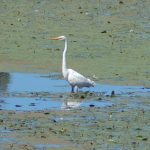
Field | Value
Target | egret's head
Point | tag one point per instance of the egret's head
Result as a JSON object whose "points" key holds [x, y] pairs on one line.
{"points": [[58, 38]]}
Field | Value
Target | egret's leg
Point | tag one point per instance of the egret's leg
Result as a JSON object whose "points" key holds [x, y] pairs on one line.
{"points": [[72, 89], [76, 89]]}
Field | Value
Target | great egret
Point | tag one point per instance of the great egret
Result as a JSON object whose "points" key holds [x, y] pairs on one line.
{"points": [[75, 79]]}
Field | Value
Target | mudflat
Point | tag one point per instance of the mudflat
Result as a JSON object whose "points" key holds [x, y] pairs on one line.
{"points": [[108, 41]]}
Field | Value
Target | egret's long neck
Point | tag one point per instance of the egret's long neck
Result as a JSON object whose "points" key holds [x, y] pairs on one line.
{"points": [[64, 64]]}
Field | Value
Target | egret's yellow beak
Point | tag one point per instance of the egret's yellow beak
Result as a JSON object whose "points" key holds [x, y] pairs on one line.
{"points": [[55, 38]]}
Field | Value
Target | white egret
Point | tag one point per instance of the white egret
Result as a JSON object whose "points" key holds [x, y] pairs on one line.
{"points": [[75, 79]]}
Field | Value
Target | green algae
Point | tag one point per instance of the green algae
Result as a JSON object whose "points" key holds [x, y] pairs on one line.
{"points": [[109, 39]]}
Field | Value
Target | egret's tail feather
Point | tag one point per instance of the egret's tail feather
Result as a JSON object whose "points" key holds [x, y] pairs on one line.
{"points": [[91, 82]]}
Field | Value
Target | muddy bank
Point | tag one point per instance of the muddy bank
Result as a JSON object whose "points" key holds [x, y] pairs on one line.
{"points": [[89, 128], [109, 39], [22, 131], [44, 117]]}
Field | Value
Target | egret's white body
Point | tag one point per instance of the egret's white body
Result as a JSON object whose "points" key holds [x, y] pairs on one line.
{"points": [[75, 79]]}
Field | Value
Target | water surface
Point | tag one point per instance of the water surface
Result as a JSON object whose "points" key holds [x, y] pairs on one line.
{"points": [[37, 92]]}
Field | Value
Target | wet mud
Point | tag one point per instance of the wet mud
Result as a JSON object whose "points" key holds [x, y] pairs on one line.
{"points": [[108, 42], [104, 117], [109, 39]]}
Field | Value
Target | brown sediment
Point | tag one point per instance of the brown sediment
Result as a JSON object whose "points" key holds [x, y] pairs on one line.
{"points": [[120, 55], [108, 40]]}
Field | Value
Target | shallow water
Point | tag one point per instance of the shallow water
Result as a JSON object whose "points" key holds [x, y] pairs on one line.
{"points": [[37, 92]]}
